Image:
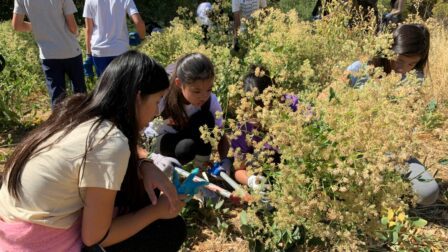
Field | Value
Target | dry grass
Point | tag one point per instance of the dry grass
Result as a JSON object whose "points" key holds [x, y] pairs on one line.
{"points": [[433, 143]]}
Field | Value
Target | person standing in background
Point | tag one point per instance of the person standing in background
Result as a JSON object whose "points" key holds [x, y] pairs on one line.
{"points": [[54, 28], [396, 13], [243, 9], [107, 33]]}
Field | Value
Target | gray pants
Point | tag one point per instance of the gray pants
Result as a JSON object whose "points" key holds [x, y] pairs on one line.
{"points": [[423, 183]]}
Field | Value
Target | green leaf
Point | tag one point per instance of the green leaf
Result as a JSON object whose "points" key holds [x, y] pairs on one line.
{"points": [[394, 237], [419, 223], [224, 225], [219, 204], [432, 106], [332, 94], [243, 217], [384, 220], [443, 161], [382, 237]]}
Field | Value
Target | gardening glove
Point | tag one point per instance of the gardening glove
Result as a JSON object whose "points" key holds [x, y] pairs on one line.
{"points": [[134, 39], [256, 182], [189, 186], [165, 164], [88, 66], [218, 167]]}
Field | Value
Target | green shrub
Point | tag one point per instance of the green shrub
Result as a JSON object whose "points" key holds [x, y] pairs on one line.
{"points": [[22, 84], [440, 12]]}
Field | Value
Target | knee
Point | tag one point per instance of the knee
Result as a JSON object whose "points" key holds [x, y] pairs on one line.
{"points": [[185, 150], [423, 184], [177, 233], [427, 192]]}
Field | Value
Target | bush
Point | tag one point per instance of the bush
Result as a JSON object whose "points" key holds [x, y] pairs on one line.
{"points": [[440, 12], [343, 150], [6, 8], [22, 84], [342, 160]]}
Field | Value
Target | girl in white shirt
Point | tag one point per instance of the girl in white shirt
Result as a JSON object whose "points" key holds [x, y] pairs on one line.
{"points": [[188, 105]]}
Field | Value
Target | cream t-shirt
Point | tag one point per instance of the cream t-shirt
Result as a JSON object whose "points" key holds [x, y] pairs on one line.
{"points": [[52, 183]]}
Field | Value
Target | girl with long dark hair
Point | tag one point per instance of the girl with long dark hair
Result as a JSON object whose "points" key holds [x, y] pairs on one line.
{"points": [[411, 45], [60, 184]]}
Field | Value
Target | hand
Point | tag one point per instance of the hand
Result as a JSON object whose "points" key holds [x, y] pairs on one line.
{"points": [[189, 186], [256, 182], [88, 66], [154, 178], [223, 166], [164, 208], [165, 164], [134, 39]]}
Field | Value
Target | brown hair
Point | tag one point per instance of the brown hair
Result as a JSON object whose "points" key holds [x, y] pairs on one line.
{"points": [[190, 68], [410, 40]]}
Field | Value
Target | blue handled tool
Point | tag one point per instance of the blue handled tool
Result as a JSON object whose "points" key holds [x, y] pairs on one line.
{"points": [[218, 171], [189, 186]]}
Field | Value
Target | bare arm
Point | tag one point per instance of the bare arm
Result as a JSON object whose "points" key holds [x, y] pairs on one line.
{"points": [[89, 30], [19, 23], [241, 175], [139, 25], [71, 23], [98, 213], [398, 8]]}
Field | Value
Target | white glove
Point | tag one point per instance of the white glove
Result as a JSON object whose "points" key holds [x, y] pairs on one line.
{"points": [[256, 182], [165, 164]]}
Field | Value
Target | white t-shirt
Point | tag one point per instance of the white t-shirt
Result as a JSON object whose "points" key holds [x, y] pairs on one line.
{"points": [[110, 36], [155, 129], [51, 180], [50, 30], [202, 12], [247, 7]]}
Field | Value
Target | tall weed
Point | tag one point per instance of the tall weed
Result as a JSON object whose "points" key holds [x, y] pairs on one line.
{"points": [[21, 83]]}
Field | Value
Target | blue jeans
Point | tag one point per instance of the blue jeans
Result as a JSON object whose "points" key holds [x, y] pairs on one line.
{"points": [[101, 63], [55, 71]]}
